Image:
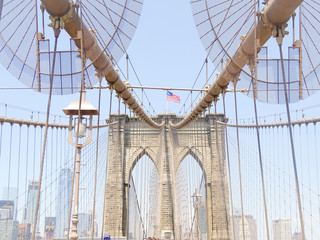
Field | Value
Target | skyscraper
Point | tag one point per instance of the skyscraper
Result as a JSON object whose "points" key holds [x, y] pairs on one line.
{"points": [[31, 201], [63, 201], [282, 229], [8, 227], [250, 227], [11, 194]]}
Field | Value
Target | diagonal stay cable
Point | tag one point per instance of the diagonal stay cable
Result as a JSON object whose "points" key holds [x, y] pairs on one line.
{"points": [[279, 41], [56, 33]]}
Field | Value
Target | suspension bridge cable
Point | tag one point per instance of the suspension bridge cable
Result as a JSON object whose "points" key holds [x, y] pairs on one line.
{"points": [[221, 170], [317, 165], [1, 129], [96, 163], [238, 147], [254, 84], [309, 179], [208, 53], [135, 73], [10, 154], [56, 27], [279, 41], [106, 169], [18, 178], [228, 162], [124, 50]]}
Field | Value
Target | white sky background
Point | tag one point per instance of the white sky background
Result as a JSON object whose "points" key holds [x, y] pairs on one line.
{"points": [[166, 51]]}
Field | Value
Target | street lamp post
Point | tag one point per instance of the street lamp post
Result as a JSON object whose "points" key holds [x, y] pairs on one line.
{"points": [[196, 200], [80, 128]]}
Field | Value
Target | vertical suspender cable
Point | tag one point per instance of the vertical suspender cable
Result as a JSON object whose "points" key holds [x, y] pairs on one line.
{"points": [[309, 178], [291, 139], [221, 171], [1, 138], [71, 193], [238, 147], [18, 178], [106, 170], [77, 152], [228, 161], [317, 164], [255, 96], [96, 164], [259, 149], [10, 153], [26, 174], [56, 33]]}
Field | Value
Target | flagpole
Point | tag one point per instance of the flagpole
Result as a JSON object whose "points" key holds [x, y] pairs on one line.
{"points": [[166, 102]]}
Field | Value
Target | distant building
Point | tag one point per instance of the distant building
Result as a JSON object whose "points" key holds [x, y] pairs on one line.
{"points": [[282, 229], [297, 236], [63, 202], [11, 194], [85, 225], [49, 228], [24, 231], [250, 227], [6, 209], [31, 201], [8, 227]]}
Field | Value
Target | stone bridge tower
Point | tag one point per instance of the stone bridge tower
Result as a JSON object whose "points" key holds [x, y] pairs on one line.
{"points": [[129, 140]]}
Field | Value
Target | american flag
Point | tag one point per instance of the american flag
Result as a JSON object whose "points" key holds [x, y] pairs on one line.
{"points": [[173, 97]]}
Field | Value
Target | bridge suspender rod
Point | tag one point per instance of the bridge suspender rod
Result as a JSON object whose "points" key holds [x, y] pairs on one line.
{"points": [[56, 28], [279, 41], [10, 156], [1, 129], [221, 170], [18, 178], [239, 162], [317, 165], [106, 171], [228, 162], [254, 78], [253, 83], [96, 163]]}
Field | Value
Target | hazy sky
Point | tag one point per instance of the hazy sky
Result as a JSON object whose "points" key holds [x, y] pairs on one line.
{"points": [[166, 51]]}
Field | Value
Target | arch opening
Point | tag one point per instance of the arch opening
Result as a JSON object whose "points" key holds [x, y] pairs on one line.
{"points": [[143, 210], [190, 199]]}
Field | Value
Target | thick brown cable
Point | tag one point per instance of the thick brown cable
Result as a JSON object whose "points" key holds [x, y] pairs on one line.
{"points": [[56, 32], [254, 84], [291, 141]]}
